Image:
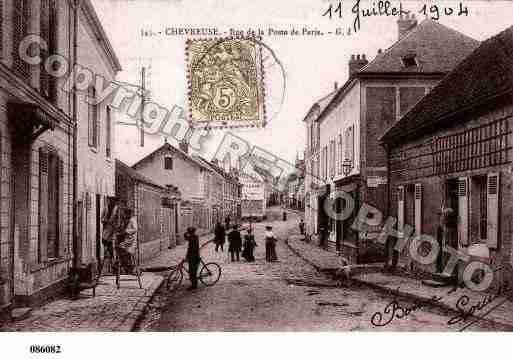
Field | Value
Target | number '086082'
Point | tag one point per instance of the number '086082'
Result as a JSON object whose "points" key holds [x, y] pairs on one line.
{"points": [[45, 349]]}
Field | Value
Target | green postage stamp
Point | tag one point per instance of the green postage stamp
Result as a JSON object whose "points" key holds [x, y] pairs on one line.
{"points": [[225, 83]]}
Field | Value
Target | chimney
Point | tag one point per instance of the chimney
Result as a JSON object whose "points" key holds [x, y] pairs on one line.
{"points": [[356, 63], [405, 24], [335, 86], [184, 146]]}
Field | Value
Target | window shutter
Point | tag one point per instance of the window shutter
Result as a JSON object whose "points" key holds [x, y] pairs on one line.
{"points": [[53, 24], [108, 135], [400, 209], [62, 247], [21, 16], [463, 210], [350, 144], [1, 29], [43, 204], [44, 30], [493, 186], [90, 132], [92, 118], [418, 208]]}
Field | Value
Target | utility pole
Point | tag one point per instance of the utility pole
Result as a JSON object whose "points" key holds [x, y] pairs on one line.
{"points": [[143, 95]]}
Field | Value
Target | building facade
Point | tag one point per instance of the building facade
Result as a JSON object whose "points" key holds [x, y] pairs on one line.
{"points": [[346, 132], [155, 207], [169, 165], [95, 137], [37, 129], [452, 151]]}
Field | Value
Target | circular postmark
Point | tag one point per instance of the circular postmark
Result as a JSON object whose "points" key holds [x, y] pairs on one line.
{"points": [[233, 82]]}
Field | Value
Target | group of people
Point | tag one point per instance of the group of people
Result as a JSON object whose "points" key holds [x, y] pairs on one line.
{"points": [[236, 245], [119, 236]]}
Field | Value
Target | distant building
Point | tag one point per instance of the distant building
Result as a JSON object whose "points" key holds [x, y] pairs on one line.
{"points": [[155, 207], [169, 165], [453, 150], [253, 196], [343, 129]]}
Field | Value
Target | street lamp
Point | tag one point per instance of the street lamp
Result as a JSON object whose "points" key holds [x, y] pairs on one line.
{"points": [[346, 166]]}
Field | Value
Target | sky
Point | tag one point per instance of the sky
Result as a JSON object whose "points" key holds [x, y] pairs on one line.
{"points": [[312, 64]]}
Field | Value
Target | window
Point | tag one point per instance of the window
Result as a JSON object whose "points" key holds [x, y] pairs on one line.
{"points": [[332, 157], [325, 162], [340, 154], [168, 163], [92, 117], [1, 29], [349, 143], [108, 133], [409, 60], [21, 17], [51, 175], [478, 209], [48, 31]]}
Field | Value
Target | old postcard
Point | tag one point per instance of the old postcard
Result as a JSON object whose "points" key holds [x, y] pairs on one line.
{"points": [[254, 166]]}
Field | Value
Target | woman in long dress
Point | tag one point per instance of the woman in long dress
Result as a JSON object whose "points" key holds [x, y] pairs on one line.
{"points": [[249, 246], [127, 247], [270, 245]]}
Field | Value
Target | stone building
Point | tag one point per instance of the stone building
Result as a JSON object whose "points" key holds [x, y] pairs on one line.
{"points": [[169, 165], [453, 150], [345, 135], [37, 116], [231, 192], [95, 137], [156, 209]]}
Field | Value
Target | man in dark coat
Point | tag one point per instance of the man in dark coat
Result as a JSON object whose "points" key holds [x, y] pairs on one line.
{"points": [[219, 239], [234, 243], [193, 256]]}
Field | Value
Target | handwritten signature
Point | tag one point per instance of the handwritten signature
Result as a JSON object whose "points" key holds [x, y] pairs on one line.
{"points": [[466, 311], [395, 310]]}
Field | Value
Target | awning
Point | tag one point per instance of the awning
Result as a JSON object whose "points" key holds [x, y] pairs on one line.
{"points": [[29, 119], [347, 180]]}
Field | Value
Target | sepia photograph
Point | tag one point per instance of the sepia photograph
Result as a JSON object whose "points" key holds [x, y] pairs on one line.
{"points": [[312, 167]]}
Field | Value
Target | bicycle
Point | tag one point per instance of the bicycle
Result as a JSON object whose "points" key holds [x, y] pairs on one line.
{"points": [[209, 274]]}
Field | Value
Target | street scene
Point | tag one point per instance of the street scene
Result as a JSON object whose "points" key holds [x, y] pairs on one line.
{"points": [[196, 167], [287, 295]]}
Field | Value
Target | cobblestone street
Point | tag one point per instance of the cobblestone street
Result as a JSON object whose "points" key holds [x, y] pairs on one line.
{"points": [[289, 295]]}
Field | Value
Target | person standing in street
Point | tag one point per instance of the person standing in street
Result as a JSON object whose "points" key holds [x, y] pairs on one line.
{"points": [[192, 256], [249, 246], [234, 243], [270, 243], [128, 246], [219, 236], [301, 227]]}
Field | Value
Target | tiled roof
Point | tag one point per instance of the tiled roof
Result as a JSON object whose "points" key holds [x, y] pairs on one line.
{"points": [[134, 174], [485, 73], [437, 48], [167, 146], [322, 103]]}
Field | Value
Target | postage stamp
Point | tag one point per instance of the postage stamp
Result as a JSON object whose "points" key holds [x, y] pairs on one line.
{"points": [[225, 83]]}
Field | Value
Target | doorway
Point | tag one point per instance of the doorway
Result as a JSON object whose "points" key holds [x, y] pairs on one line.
{"points": [[450, 237], [98, 231]]}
